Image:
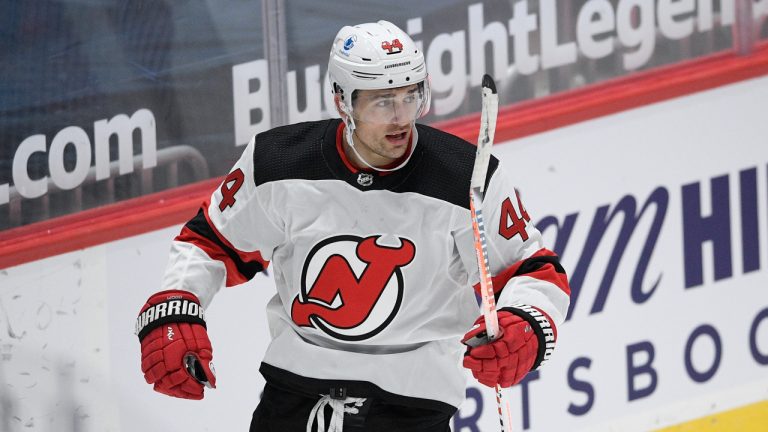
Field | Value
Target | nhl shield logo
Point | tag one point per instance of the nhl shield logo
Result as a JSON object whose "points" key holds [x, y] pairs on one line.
{"points": [[365, 179]]}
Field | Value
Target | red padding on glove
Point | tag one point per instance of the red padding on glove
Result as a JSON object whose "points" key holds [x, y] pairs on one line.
{"points": [[506, 360], [163, 351]]}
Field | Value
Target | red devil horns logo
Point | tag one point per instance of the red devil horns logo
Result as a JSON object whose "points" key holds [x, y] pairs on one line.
{"points": [[393, 47], [340, 303]]}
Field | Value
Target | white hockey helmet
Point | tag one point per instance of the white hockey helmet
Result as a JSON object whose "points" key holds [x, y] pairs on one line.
{"points": [[375, 56]]}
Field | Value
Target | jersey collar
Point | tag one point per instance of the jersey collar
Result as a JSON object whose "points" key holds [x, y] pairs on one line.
{"points": [[364, 179], [353, 169]]}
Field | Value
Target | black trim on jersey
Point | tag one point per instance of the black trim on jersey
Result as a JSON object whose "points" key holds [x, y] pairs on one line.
{"points": [[313, 387], [440, 167], [530, 265], [199, 225], [446, 168], [387, 181]]}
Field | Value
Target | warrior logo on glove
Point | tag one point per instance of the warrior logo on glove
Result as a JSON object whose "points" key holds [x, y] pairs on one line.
{"points": [[526, 340], [352, 287], [176, 354], [171, 309]]}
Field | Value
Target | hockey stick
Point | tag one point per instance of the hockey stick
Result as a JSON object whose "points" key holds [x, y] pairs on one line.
{"points": [[477, 193]]}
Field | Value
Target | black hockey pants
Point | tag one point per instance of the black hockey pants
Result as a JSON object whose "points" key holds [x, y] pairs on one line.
{"points": [[281, 410]]}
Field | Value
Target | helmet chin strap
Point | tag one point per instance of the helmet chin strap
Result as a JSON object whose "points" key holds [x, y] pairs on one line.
{"points": [[350, 132]]}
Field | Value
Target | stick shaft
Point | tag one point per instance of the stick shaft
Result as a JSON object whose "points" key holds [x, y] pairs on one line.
{"points": [[476, 196]]}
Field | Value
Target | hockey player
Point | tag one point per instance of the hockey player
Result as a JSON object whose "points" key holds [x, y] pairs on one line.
{"points": [[366, 223]]}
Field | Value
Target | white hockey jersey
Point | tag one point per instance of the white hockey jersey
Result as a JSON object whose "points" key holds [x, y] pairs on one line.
{"points": [[374, 271]]}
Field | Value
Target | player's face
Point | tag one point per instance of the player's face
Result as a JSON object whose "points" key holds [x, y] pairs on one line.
{"points": [[383, 120]]}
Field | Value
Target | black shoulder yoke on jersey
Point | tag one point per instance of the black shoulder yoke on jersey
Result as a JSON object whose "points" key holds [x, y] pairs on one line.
{"points": [[441, 165]]}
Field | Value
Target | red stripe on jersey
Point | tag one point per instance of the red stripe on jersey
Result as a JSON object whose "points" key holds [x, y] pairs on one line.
{"points": [[234, 277], [214, 251], [546, 272], [244, 256]]}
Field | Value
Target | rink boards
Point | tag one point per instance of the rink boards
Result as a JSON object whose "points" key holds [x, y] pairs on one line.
{"points": [[660, 214]]}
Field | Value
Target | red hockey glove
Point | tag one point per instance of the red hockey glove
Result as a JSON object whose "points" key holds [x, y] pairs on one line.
{"points": [[176, 354], [527, 339]]}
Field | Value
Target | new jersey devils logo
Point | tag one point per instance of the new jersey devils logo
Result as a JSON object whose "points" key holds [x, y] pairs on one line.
{"points": [[352, 287]]}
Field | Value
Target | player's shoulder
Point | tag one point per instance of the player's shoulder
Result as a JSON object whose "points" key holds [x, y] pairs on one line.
{"points": [[448, 150], [291, 151], [446, 166], [444, 140]]}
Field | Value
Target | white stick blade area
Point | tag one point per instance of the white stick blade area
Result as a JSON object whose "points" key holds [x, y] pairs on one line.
{"points": [[488, 115]]}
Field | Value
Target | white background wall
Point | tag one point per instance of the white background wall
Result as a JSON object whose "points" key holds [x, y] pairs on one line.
{"points": [[67, 347], [582, 167]]}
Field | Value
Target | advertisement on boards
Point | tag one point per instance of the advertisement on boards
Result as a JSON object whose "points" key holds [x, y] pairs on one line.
{"points": [[100, 99], [660, 215]]}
